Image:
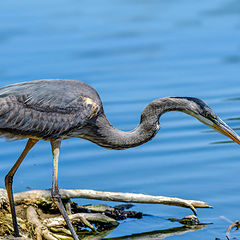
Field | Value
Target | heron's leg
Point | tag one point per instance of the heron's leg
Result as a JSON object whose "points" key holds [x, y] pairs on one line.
{"points": [[55, 191], [9, 180]]}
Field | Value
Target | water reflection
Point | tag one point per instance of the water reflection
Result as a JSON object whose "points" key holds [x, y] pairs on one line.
{"points": [[158, 234], [161, 234]]}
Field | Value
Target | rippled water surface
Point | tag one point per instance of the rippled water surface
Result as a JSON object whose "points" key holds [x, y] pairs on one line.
{"points": [[133, 52]]}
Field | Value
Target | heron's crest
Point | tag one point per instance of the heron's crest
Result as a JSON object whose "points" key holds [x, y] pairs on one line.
{"points": [[196, 106]]}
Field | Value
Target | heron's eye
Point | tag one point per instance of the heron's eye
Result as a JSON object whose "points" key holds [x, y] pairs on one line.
{"points": [[210, 116]]}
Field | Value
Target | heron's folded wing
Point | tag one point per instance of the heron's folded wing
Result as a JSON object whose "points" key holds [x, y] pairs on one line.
{"points": [[46, 108]]}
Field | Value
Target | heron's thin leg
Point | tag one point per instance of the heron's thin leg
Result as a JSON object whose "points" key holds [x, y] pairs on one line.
{"points": [[55, 191], [9, 180]]}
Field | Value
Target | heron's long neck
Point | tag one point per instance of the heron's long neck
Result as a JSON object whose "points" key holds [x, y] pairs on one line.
{"points": [[105, 135]]}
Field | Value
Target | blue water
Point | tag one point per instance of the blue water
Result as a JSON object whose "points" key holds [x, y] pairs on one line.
{"points": [[133, 52]]}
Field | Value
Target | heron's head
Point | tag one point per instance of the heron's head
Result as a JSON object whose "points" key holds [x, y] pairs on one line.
{"points": [[200, 110]]}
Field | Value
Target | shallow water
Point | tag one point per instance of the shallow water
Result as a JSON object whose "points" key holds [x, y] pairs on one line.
{"points": [[133, 52]]}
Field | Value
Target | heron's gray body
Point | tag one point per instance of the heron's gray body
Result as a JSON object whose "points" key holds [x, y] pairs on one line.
{"points": [[59, 108], [56, 109], [47, 109]]}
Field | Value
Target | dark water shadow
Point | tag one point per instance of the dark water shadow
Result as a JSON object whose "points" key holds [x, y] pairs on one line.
{"points": [[233, 59], [229, 8], [233, 99], [9, 33], [161, 234], [111, 52], [96, 235]]}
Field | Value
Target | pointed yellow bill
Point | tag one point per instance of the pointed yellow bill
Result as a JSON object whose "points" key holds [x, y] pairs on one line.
{"points": [[223, 128]]}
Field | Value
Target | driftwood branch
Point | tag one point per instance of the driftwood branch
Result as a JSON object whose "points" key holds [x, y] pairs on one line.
{"points": [[37, 214], [36, 195]]}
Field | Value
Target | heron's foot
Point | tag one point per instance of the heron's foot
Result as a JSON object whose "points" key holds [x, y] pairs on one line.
{"points": [[58, 201]]}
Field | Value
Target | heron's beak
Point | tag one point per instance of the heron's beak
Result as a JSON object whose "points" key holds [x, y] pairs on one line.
{"points": [[223, 128]]}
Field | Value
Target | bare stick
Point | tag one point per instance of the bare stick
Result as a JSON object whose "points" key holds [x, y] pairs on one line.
{"points": [[38, 195]]}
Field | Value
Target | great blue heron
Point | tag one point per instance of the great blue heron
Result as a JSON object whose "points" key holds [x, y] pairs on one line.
{"points": [[57, 109]]}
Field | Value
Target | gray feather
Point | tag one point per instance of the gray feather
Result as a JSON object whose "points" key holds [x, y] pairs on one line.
{"points": [[46, 108]]}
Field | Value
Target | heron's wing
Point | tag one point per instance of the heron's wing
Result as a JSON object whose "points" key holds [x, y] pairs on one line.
{"points": [[47, 108]]}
